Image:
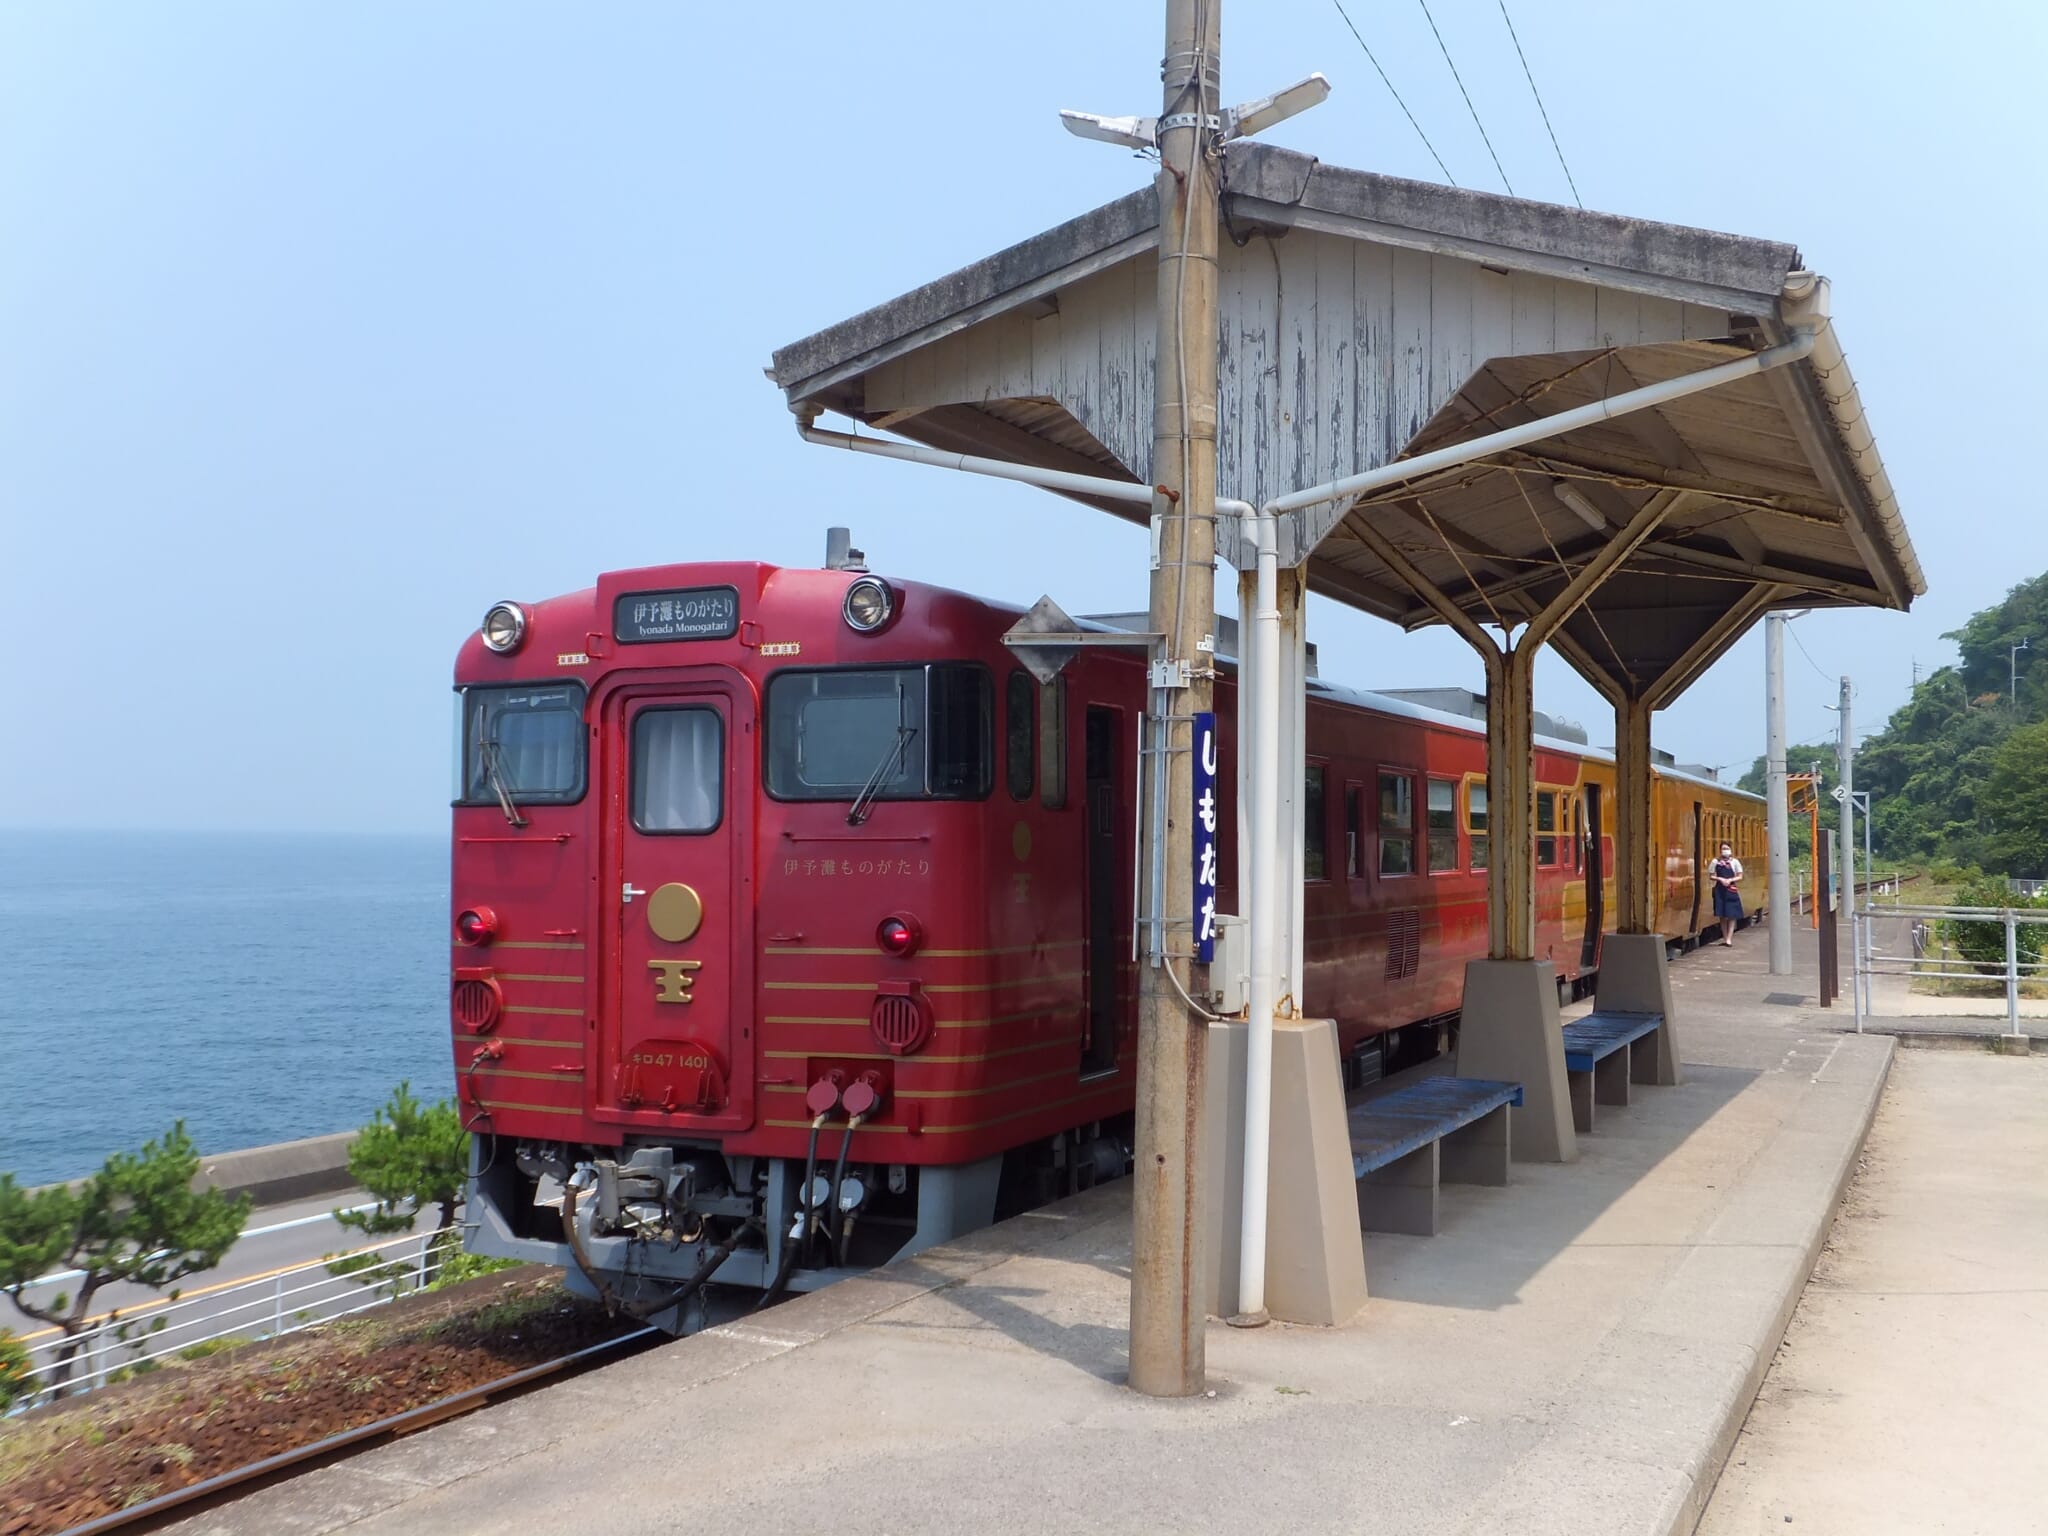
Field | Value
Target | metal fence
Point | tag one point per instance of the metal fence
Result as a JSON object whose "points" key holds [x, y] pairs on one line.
{"points": [[1975, 945], [132, 1340]]}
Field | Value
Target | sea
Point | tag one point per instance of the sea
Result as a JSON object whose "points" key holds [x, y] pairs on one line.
{"points": [[259, 988]]}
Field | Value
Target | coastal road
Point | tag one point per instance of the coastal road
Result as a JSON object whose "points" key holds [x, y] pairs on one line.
{"points": [[274, 1239]]}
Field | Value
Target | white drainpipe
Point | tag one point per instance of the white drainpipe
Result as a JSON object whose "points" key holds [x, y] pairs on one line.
{"points": [[1266, 861], [1261, 526]]}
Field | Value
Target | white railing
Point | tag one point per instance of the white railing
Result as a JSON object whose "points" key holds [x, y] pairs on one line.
{"points": [[1924, 951], [141, 1337]]}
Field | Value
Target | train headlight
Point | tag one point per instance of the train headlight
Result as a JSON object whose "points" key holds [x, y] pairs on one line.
{"points": [[504, 627], [869, 604]]}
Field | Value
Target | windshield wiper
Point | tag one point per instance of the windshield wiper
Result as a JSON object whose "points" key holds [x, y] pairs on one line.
{"points": [[865, 800], [488, 750]]}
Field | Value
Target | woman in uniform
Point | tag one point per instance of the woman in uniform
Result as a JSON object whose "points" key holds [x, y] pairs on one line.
{"points": [[1727, 872]]}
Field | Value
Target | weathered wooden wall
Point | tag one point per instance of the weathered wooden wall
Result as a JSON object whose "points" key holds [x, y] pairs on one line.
{"points": [[1335, 352]]}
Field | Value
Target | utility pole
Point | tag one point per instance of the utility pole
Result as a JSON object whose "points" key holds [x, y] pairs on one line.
{"points": [[1168, 1315], [2012, 674], [1777, 813], [1845, 753]]}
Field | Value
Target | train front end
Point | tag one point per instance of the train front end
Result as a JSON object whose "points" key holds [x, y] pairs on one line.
{"points": [[679, 1049]]}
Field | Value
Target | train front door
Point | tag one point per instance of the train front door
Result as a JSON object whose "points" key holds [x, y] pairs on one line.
{"points": [[675, 1042], [1098, 1029], [1596, 884]]}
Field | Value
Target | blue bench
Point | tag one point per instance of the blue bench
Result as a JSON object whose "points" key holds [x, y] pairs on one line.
{"points": [[1406, 1141], [1603, 1053]]}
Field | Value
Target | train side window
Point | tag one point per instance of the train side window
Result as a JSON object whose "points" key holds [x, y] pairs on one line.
{"points": [[1475, 820], [958, 698], [1052, 745], [1314, 824], [678, 770], [1443, 825], [1546, 829], [1354, 831], [1018, 755], [1397, 824]]}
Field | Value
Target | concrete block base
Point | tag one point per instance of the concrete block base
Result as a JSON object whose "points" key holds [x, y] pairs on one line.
{"points": [[1315, 1250], [1635, 977], [1401, 1197], [1510, 1032]]}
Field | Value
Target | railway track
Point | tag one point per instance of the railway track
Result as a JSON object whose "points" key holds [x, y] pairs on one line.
{"points": [[143, 1515]]}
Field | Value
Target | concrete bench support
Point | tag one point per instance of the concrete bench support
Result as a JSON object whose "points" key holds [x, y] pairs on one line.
{"points": [[1508, 1032], [1401, 1197], [1315, 1248], [1635, 977], [1603, 1052]]}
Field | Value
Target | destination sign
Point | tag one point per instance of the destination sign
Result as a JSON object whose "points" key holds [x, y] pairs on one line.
{"points": [[690, 613]]}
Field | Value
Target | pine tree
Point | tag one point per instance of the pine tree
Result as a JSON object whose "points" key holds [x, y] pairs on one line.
{"points": [[137, 1221], [410, 1156]]}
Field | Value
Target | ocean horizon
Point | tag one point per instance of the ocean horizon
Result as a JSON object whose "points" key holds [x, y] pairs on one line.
{"points": [[260, 986]]}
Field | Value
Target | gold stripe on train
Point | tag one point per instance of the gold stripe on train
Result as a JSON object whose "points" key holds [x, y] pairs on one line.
{"points": [[570, 1013], [541, 1109], [952, 1093], [864, 1021], [935, 954], [471, 949], [1066, 1041], [545, 1077], [559, 1045], [868, 986]]}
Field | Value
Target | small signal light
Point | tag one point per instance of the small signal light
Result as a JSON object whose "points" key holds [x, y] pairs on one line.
{"points": [[476, 925], [899, 935]]}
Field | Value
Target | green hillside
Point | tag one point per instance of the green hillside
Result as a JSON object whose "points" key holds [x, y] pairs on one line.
{"points": [[1959, 774]]}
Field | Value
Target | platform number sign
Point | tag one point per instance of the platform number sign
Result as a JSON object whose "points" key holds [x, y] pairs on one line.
{"points": [[1205, 837]]}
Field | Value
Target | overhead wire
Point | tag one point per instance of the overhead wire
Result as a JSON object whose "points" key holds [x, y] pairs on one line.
{"points": [[1484, 138], [1412, 123], [1528, 75], [1794, 633]]}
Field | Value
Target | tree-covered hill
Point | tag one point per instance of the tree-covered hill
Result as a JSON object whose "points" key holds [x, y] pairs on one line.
{"points": [[1960, 771]]}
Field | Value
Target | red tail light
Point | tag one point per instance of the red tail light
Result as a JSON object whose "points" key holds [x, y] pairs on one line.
{"points": [[477, 925], [899, 935]]}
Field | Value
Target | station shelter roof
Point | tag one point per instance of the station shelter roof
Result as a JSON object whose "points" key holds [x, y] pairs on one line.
{"points": [[1365, 319]]}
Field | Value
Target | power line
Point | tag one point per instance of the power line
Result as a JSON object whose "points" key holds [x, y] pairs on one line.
{"points": [[1439, 159], [1539, 104], [1807, 654], [1468, 98]]}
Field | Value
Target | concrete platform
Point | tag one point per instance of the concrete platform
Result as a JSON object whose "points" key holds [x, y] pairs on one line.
{"points": [[1574, 1352], [1907, 1396]]}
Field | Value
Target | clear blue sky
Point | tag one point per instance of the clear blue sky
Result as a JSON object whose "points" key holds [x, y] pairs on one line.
{"points": [[321, 327]]}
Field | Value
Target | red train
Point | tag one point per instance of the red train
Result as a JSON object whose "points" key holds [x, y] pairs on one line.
{"points": [[792, 917]]}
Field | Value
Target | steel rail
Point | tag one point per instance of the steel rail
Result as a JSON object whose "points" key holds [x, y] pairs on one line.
{"points": [[392, 1424]]}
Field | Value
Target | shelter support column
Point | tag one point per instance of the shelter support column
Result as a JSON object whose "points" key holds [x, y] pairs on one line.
{"points": [[1637, 874], [1510, 805], [1509, 1029], [1290, 592], [1635, 975]]}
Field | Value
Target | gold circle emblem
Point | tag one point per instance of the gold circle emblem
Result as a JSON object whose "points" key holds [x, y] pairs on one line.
{"points": [[1020, 840], [675, 912]]}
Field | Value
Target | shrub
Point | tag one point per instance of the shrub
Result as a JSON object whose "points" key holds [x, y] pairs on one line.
{"points": [[14, 1367], [1982, 941]]}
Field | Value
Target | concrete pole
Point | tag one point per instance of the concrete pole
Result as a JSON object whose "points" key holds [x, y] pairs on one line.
{"points": [[1167, 1240], [1845, 754], [1779, 870]]}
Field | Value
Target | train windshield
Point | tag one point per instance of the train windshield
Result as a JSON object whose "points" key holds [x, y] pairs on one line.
{"points": [[881, 733], [524, 744]]}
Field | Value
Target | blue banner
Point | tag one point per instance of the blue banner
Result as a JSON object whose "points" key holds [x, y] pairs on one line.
{"points": [[1205, 838]]}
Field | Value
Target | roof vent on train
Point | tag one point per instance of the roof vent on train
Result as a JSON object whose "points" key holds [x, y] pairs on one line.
{"points": [[840, 555], [1463, 701]]}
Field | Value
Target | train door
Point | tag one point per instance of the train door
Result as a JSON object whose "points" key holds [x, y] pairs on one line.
{"points": [[1104, 881], [1699, 818], [1596, 885], [675, 1049]]}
